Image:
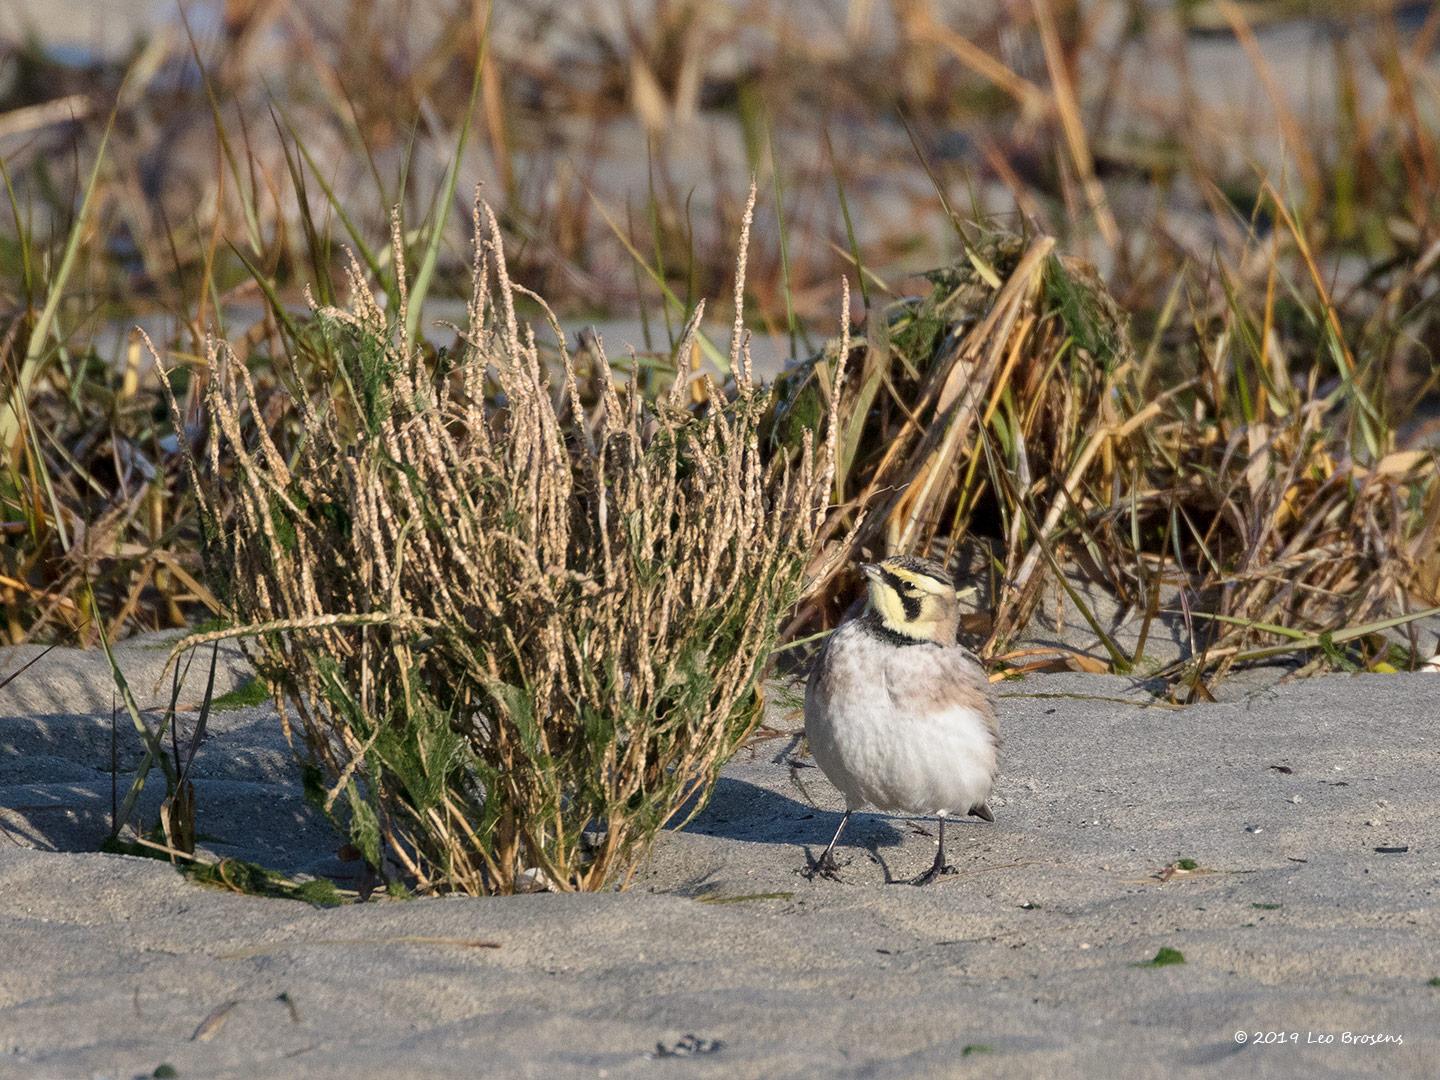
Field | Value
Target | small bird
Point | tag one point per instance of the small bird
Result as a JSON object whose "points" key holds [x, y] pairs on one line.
{"points": [[898, 715]]}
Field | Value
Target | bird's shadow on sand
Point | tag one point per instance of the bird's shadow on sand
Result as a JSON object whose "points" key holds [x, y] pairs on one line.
{"points": [[743, 811]]}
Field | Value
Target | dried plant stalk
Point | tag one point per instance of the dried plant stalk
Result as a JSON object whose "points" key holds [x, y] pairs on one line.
{"points": [[518, 641], [1006, 420], [992, 349]]}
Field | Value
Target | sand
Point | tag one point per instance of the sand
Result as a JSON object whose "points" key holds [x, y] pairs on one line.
{"points": [[723, 956]]}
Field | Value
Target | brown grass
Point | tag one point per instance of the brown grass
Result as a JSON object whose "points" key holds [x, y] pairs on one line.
{"points": [[1005, 421], [1283, 333]]}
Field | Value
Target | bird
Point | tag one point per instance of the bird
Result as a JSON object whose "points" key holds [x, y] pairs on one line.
{"points": [[898, 714]]}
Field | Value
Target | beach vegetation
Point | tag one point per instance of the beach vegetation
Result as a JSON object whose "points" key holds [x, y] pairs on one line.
{"points": [[247, 695], [251, 879], [1164, 957], [516, 629], [1215, 433], [1210, 422]]}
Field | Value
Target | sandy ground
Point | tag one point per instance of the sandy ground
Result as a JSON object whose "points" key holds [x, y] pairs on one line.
{"points": [[1022, 964]]}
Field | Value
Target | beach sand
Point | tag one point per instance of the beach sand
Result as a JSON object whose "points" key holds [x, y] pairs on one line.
{"points": [[723, 960]]}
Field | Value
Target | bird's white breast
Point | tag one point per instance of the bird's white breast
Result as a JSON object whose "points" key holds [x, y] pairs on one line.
{"points": [[902, 728]]}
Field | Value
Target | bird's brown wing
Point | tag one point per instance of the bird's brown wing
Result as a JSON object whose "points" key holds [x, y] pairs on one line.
{"points": [[949, 676]]}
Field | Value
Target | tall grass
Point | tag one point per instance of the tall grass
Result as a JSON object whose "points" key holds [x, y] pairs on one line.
{"points": [[1006, 421], [521, 630], [1178, 463]]}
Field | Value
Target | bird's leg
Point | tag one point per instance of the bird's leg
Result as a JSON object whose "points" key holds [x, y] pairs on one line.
{"points": [[825, 865], [940, 868]]}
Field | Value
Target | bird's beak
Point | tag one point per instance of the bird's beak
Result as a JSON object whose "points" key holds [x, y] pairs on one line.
{"points": [[870, 570]]}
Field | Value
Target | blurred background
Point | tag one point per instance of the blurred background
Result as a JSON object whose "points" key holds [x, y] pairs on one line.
{"points": [[192, 167], [1136, 131]]}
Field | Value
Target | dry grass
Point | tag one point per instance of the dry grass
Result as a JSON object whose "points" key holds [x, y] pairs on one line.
{"points": [[521, 632], [1006, 421], [1242, 464], [988, 349]]}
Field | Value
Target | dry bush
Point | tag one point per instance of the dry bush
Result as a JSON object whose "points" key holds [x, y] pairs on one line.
{"points": [[93, 505], [520, 635], [1006, 416], [989, 395]]}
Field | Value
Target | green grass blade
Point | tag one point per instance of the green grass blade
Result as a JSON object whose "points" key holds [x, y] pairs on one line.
{"points": [[154, 750], [790, 323], [22, 237], [1336, 637], [252, 217], [849, 224], [204, 717], [316, 242], [714, 355], [421, 284], [357, 238], [40, 332]]}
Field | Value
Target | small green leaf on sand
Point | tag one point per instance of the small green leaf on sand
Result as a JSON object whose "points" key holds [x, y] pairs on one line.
{"points": [[1434, 982], [1164, 958], [254, 692], [1266, 907], [165, 1071], [1186, 864], [976, 1048], [251, 879], [321, 892]]}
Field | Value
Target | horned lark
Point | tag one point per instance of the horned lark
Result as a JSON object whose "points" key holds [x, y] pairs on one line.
{"points": [[897, 714]]}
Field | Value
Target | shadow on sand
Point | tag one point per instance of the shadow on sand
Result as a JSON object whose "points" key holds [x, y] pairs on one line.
{"points": [[743, 811]]}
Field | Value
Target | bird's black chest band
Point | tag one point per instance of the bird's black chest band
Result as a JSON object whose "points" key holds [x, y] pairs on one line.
{"points": [[893, 637]]}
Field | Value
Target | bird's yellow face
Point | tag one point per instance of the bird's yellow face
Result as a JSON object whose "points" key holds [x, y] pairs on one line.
{"points": [[914, 598]]}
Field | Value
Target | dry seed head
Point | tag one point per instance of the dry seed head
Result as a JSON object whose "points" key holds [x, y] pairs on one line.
{"points": [[499, 625]]}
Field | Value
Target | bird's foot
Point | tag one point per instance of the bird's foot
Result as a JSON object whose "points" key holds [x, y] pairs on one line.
{"points": [[938, 870], [824, 867]]}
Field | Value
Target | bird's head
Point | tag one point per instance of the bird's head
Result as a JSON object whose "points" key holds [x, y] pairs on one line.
{"points": [[914, 598]]}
